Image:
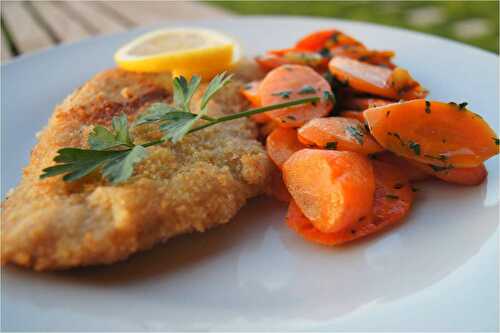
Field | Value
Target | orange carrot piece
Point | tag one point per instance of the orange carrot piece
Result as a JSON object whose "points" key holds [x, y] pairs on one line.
{"points": [[281, 144], [291, 82], [411, 171], [392, 201], [380, 81], [334, 189], [363, 103], [339, 134], [374, 57], [277, 58], [461, 176], [277, 188], [358, 115], [325, 39], [436, 133], [251, 92]]}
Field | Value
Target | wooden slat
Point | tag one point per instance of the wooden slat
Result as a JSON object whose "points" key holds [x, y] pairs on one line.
{"points": [[149, 12], [26, 33], [95, 17], [5, 50], [64, 26]]}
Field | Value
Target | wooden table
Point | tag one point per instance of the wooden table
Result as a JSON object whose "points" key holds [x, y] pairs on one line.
{"points": [[33, 25]]}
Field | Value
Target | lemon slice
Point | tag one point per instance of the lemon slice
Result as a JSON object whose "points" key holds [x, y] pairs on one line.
{"points": [[181, 50]]}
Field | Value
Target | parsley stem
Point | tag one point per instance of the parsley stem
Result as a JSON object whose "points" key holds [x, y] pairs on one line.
{"points": [[255, 111], [153, 143]]}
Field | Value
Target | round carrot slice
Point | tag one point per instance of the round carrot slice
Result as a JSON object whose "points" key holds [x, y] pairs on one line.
{"points": [[461, 176], [251, 93], [326, 39], [291, 82], [442, 134], [281, 144], [380, 81], [392, 201], [411, 171], [363, 103], [334, 189], [339, 134]]}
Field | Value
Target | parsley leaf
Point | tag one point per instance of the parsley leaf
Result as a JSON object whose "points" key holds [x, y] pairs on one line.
{"points": [[101, 138], [184, 91], [76, 163], [217, 83], [121, 167]]}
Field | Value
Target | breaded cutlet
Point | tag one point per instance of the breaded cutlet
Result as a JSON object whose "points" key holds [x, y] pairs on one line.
{"points": [[196, 184]]}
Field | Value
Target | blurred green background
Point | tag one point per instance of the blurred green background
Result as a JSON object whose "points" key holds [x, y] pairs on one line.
{"points": [[470, 22]]}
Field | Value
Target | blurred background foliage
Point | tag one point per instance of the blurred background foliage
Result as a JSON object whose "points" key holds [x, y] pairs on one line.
{"points": [[471, 22]]}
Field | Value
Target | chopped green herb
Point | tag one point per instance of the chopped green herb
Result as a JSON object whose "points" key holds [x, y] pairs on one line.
{"points": [[415, 147], [307, 89], [427, 107], [331, 145], [441, 157], [462, 105], [284, 94], [392, 197], [356, 133], [325, 53], [335, 37], [328, 96], [497, 141], [437, 168]]}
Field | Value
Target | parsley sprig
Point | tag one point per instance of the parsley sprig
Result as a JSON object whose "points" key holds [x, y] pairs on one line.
{"points": [[114, 151]]}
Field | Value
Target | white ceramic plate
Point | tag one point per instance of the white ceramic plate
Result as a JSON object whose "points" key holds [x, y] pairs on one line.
{"points": [[438, 271]]}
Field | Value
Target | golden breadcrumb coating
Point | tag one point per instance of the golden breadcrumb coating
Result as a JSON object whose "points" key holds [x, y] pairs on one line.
{"points": [[193, 185]]}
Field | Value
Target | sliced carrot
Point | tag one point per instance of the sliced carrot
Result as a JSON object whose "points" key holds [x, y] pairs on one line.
{"points": [[291, 82], [376, 80], [277, 58], [411, 171], [392, 201], [462, 176], [319, 40], [442, 134], [363, 103], [334, 189], [374, 57], [251, 93], [358, 115], [281, 144], [339, 134], [270, 61], [277, 188]]}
